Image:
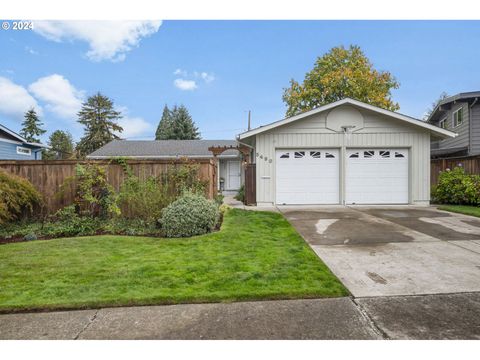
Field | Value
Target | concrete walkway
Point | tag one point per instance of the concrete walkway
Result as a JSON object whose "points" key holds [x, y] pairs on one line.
{"points": [[452, 316], [290, 319]]}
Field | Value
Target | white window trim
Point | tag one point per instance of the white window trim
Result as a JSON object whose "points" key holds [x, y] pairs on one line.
{"points": [[444, 120], [23, 153], [453, 118]]}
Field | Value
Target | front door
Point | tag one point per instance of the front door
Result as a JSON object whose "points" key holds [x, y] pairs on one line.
{"points": [[233, 175]]}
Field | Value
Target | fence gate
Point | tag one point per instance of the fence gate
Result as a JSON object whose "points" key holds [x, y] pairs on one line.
{"points": [[250, 185]]}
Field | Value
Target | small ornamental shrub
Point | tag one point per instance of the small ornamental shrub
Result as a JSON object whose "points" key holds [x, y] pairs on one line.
{"points": [[18, 197], [190, 215], [241, 194], [456, 187], [30, 237], [67, 222]]}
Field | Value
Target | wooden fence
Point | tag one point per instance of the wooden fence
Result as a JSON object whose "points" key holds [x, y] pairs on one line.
{"points": [[471, 164], [48, 175]]}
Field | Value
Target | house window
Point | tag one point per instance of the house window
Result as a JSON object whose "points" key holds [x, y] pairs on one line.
{"points": [[329, 156], [458, 117], [299, 154], [354, 155], [385, 154], [285, 156], [443, 123], [315, 154], [368, 154], [24, 151]]}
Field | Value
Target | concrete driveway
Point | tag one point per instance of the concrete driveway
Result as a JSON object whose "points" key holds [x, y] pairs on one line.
{"points": [[384, 251]]}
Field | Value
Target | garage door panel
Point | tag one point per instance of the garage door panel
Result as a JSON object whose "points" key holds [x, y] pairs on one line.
{"points": [[309, 178], [376, 176]]}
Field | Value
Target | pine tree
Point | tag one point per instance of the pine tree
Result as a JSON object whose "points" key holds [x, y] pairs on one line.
{"points": [[183, 127], [164, 129], [61, 146], [100, 121], [32, 127]]}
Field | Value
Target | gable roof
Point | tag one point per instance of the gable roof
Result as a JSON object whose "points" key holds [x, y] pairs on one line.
{"points": [[407, 119], [465, 96], [19, 138], [162, 149]]}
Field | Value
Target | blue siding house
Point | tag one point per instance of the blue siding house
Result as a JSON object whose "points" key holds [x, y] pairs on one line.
{"points": [[15, 147]]}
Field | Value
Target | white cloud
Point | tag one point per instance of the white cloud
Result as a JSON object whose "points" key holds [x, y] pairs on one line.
{"points": [[108, 40], [204, 76], [180, 72], [183, 84], [133, 127], [15, 99], [60, 96]]}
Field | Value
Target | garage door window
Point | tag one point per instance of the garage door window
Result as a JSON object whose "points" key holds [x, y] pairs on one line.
{"points": [[299, 154], [368, 154], [315, 154], [354, 155], [385, 154], [399, 155], [285, 156], [329, 155]]}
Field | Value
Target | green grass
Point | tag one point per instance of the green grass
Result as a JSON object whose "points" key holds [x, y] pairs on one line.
{"points": [[462, 209], [256, 255]]}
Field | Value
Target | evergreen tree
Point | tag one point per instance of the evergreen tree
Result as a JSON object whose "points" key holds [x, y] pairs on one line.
{"points": [[164, 129], [100, 122], [61, 146], [32, 127], [183, 127]]}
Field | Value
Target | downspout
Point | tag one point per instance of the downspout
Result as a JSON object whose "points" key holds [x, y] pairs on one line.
{"points": [[470, 126]]}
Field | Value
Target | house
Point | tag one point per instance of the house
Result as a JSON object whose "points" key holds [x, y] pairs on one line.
{"points": [[461, 114], [346, 152], [230, 174], [15, 147]]}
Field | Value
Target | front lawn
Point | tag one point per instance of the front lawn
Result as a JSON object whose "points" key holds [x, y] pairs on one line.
{"points": [[462, 209], [255, 255]]}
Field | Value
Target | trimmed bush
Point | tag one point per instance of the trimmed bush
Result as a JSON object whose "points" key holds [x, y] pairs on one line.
{"points": [[241, 194], [190, 215], [456, 187], [18, 197]]}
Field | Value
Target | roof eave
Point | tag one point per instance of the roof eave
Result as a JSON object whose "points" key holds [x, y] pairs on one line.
{"points": [[432, 128]]}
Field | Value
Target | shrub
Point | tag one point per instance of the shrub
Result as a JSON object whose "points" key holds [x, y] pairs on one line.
{"points": [[241, 194], [18, 197], [456, 187], [219, 199], [190, 215], [183, 178], [142, 199], [30, 237], [67, 222], [146, 198], [94, 196]]}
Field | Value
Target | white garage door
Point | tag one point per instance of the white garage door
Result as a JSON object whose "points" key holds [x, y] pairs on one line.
{"points": [[376, 176], [307, 176]]}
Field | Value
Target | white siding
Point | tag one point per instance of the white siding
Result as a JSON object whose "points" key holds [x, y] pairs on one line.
{"points": [[378, 132]]}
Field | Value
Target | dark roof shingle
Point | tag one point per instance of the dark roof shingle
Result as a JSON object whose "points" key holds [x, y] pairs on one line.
{"points": [[162, 148]]}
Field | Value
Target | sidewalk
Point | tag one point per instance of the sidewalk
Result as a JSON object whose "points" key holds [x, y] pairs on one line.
{"points": [[288, 319]]}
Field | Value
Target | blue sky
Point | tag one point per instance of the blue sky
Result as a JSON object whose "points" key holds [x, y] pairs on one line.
{"points": [[218, 69]]}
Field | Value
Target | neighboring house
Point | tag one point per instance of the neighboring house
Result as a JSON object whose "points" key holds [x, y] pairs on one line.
{"points": [[15, 147], [230, 175], [461, 114], [346, 152]]}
